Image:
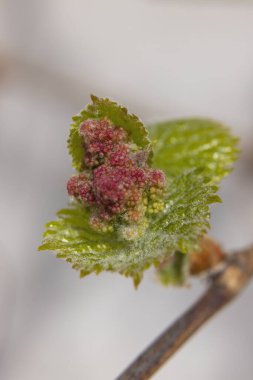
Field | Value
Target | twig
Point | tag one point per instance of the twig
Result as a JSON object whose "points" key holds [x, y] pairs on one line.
{"points": [[224, 287]]}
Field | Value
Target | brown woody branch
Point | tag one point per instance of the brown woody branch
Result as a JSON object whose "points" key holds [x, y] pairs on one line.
{"points": [[223, 288]]}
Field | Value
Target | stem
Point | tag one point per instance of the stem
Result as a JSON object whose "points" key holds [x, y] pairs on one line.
{"points": [[224, 287]]}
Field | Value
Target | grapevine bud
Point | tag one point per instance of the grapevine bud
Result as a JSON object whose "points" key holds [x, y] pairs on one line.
{"points": [[117, 185]]}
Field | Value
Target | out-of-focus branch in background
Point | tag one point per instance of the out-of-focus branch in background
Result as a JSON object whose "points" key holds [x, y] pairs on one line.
{"points": [[224, 287]]}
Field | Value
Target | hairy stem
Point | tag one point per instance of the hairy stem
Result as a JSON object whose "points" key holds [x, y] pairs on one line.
{"points": [[224, 287]]}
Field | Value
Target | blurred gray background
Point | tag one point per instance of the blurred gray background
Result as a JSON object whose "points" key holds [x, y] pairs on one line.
{"points": [[162, 59]]}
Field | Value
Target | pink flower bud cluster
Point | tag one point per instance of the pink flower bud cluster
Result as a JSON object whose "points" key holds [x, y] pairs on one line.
{"points": [[99, 139], [117, 182]]}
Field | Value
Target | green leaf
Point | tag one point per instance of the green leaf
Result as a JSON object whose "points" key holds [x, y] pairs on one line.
{"points": [[185, 218], [191, 143], [174, 271], [118, 115], [187, 144]]}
